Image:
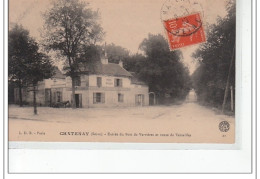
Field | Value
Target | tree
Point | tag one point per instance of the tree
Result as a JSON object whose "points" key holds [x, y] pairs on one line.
{"points": [[116, 53], [19, 45], [217, 58], [134, 63], [70, 26], [27, 66], [163, 70], [39, 68]]}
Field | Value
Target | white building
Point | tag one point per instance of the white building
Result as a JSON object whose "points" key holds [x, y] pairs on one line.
{"points": [[104, 85]]}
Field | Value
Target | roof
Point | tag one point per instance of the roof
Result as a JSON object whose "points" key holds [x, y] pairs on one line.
{"points": [[110, 69], [58, 73], [135, 80]]}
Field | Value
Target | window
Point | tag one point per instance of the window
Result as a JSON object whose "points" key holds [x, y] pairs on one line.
{"points": [[98, 98], [99, 81], [120, 97], [58, 96], [118, 82], [77, 81]]}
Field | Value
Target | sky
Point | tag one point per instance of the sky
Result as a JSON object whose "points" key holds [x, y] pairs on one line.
{"points": [[125, 22]]}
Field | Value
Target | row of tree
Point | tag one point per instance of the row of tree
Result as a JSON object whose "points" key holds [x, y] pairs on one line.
{"points": [[215, 76]]}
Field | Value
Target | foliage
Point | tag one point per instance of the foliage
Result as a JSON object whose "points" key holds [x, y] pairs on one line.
{"points": [[20, 49], [215, 57], [134, 63], [70, 28], [26, 65], [116, 53], [162, 69]]}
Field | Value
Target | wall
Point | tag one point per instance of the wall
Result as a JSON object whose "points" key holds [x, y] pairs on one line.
{"points": [[84, 81], [108, 81], [140, 89], [49, 83], [111, 97], [27, 93], [87, 88]]}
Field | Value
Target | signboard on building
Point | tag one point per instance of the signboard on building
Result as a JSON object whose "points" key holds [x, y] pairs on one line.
{"points": [[109, 82]]}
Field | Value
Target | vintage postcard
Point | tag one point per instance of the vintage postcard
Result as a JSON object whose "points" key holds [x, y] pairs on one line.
{"points": [[131, 71]]}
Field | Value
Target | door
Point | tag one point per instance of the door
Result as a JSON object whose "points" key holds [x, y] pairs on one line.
{"points": [[48, 97], [78, 100], [139, 100]]}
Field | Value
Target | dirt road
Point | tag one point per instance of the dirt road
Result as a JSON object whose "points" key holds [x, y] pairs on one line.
{"points": [[185, 123]]}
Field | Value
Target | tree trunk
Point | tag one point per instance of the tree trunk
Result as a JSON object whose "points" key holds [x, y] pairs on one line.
{"points": [[20, 95], [34, 100], [73, 103]]}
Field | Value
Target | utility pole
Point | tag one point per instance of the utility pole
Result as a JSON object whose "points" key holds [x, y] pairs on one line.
{"points": [[228, 79], [34, 100], [232, 100]]}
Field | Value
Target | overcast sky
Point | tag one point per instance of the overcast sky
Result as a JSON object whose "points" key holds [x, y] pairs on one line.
{"points": [[126, 22]]}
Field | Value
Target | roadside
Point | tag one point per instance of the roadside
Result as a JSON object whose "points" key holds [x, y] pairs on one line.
{"points": [[188, 122]]}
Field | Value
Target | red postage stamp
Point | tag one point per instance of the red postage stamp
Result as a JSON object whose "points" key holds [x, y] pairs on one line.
{"points": [[184, 31]]}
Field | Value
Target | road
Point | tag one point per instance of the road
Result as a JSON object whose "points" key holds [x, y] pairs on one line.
{"points": [[186, 123]]}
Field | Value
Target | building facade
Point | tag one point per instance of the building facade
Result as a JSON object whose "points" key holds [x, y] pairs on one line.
{"points": [[105, 85], [46, 89]]}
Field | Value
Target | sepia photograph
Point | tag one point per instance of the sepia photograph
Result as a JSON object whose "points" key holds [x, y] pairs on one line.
{"points": [[135, 71]]}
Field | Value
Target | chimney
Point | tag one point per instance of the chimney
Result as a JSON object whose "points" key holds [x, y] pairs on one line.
{"points": [[104, 59], [120, 63]]}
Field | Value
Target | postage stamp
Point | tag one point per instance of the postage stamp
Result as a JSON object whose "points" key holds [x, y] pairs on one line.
{"points": [[184, 31]]}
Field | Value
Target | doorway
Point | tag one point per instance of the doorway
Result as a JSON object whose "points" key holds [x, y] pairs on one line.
{"points": [[139, 100], [78, 100]]}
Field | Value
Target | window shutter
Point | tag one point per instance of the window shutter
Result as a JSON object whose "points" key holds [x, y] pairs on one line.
{"points": [[115, 82], [103, 97], [94, 98], [54, 97], [72, 99], [136, 99], [61, 96], [80, 100], [142, 99], [121, 82], [50, 97]]}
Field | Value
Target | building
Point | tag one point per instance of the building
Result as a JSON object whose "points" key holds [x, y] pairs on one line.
{"points": [[107, 85], [103, 85], [46, 91]]}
